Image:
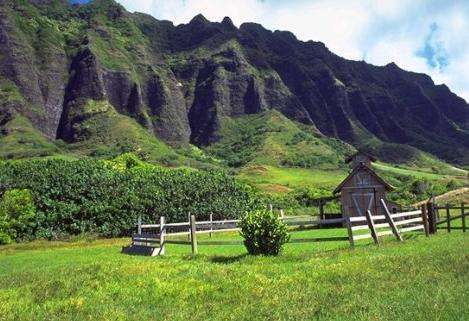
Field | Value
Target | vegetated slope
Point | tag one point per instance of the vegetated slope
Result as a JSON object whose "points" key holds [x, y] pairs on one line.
{"points": [[270, 138], [186, 83], [455, 197]]}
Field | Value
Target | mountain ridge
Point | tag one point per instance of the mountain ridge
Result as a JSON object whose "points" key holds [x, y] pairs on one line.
{"points": [[179, 82]]}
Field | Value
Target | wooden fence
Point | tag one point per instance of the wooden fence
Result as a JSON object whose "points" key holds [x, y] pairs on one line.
{"points": [[440, 217], [151, 239]]}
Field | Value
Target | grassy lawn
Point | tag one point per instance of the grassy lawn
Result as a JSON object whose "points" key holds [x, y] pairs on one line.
{"points": [[420, 279], [410, 172], [278, 179]]}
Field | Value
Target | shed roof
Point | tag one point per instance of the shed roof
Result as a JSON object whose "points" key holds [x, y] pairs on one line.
{"points": [[366, 168], [350, 158]]}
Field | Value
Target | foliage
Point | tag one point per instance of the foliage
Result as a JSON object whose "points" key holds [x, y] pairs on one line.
{"points": [[17, 215], [271, 138], [87, 195], [263, 232]]}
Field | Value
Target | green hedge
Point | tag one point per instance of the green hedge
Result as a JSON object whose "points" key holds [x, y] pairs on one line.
{"points": [[87, 195]]}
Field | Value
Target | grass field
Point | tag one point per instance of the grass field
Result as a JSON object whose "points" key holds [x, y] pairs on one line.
{"points": [[420, 279], [278, 179]]}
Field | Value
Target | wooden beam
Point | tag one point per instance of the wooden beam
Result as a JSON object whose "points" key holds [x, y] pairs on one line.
{"points": [[389, 219], [321, 210], [193, 235], [425, 219], [162, 235], [371, 225], [139, 225], [211, 225], [348, 224], [463, 218], [448, 219], [431, 214]]}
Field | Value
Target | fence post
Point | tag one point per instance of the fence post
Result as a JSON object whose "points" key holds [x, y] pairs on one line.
{"points": [[271, 208], [321, 210], [193, 235], [189, 229], [463, 218], [162, 235], [371, 225], [282, 214], [348, 224], [431, 218], [425, 219], [448, 219], [139, 225], [390, 221], [211, 224]]}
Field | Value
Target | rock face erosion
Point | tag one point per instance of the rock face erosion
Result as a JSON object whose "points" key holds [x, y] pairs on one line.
{"points": [[180, 82]]}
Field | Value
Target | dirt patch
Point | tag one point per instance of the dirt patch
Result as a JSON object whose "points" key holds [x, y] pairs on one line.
{"points": [[274, 188], [256, 169]]}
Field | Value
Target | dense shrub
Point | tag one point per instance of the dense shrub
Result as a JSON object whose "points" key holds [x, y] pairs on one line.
{"points": [[88, 195], [263, 232], [17, 215]]}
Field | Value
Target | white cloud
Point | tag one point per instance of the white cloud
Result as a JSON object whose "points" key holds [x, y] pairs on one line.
{"points": [[376, 31]]}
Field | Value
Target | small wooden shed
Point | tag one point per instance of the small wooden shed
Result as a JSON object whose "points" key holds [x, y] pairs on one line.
{"points": [[362, 189]]}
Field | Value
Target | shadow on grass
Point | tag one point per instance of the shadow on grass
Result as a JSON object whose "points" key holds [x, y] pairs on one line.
{"points": [[227, 259]]}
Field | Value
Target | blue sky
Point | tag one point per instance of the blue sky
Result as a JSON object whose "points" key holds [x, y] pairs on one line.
{"points": [[430, 36]]}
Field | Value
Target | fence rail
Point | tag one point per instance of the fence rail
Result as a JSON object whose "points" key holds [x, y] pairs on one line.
{"points": [[426, 219]]}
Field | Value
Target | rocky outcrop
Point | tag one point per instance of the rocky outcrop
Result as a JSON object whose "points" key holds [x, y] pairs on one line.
{"points": [[180, 81], [38, 68]]}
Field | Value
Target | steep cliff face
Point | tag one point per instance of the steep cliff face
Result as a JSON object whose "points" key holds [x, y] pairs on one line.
{"points": [[181, 83]]}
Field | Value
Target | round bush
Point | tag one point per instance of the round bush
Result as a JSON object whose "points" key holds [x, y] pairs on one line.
{"points": [[263, 232]]}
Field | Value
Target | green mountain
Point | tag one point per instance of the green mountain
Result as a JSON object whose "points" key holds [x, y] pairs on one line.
{"points": [[97, 80]]}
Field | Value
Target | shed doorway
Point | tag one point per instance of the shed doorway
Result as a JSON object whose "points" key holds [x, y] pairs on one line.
{"points": [[363, 202]]}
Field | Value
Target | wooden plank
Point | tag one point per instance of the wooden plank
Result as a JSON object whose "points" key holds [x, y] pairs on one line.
{"points": [[316, 222], [409, 221], [146, 240], [363, 218], [463, 218], [302, 223], [319, 239], [150, 226], [177, 242], [381, 225], [452, 218], [383, 233], [220, 242], [406, 214], [219, 231], [361, 236], [177, 224], [371, 224], [425, 219], [354, 219], [360, 227], [390, 221], [193, 236], [225, 222], [448, 219], [332, 221], [412, 228]]}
